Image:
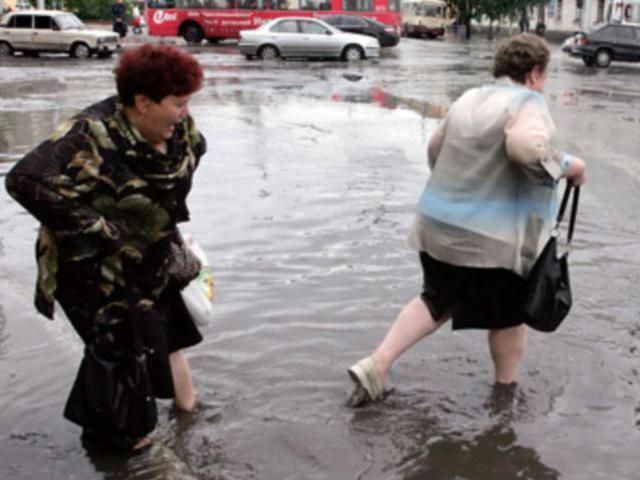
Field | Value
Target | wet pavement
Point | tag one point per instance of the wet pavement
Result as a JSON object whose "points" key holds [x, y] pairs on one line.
{"points": [[303, 203]]}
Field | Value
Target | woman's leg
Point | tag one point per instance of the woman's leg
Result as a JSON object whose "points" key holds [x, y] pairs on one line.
{"points": [[185, 394], [507, 347], [413, 323]]}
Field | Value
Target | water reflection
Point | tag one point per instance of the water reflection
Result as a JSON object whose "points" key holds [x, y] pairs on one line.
{"points": [[495, 453], [492, 453]]}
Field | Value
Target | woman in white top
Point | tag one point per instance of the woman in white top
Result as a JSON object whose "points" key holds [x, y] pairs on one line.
{"points": [[484, 216]]}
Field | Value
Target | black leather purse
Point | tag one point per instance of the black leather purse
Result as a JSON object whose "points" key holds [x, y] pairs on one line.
{"points": [[548, 299]]}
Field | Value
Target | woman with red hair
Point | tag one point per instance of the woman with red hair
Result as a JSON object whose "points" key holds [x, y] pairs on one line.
{"points": [[109, 188]]}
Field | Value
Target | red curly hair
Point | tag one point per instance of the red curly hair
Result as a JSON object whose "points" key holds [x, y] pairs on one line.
{"points": [[157, 71]]}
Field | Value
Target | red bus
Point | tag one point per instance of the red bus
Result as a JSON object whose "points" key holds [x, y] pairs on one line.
{"points": [[215, 20]]}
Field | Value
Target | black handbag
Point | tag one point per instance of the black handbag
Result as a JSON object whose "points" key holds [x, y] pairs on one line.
{"points": [[548, 298], [112, 398]]}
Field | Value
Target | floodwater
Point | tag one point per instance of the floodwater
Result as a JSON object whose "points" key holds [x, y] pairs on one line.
{"points": [[302, 203]]}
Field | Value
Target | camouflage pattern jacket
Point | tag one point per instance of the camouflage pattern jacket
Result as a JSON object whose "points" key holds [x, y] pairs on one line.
{"points": [[108, 204]]}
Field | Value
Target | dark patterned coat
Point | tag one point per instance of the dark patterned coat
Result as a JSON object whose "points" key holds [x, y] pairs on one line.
{"points": [[109, 205]]}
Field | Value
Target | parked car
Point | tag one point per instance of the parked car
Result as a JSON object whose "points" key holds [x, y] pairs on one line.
{"points": [[34, 31], [305, 37], [386, 34], [606, 42]]}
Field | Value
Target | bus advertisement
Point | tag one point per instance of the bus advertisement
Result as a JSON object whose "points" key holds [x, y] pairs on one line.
{"points": [[195, 20]]}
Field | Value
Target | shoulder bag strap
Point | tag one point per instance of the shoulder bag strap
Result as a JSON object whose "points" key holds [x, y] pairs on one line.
{"points": [[574, 209]]}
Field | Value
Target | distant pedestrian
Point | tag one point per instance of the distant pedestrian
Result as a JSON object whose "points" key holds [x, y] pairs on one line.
{"points": [[118, 12], [483, 218], [523, 23]]}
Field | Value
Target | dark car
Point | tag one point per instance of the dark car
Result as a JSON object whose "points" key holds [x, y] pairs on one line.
{"points": [[607, 42], [386, 34]]}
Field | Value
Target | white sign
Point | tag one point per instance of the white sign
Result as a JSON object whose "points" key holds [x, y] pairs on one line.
{"points": [[160, 16]]}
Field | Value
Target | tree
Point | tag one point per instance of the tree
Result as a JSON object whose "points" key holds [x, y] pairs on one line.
{"points": [[90, 9], [465, 10]]}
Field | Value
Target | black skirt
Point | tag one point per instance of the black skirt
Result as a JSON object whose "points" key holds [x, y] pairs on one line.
{"points": [[485, 298]]}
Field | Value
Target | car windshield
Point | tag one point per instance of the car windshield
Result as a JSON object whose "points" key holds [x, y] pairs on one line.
{"points": [[69, 21]]}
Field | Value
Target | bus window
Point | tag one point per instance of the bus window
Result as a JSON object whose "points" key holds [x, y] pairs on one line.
{"points": [[315, 5], [357, 5], [394, 5]]}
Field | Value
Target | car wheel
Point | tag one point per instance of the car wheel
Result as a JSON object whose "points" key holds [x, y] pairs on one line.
{"points": [[603, 58], [588, 61], [353, 53], [6, 50], [192, 33], [268, 52], [80, 50]]}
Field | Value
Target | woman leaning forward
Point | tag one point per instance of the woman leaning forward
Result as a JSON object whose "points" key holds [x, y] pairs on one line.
{"points": [[483, 218], [109, 189]]}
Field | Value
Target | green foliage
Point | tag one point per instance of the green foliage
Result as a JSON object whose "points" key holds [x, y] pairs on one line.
{"points": [[90, 9]]}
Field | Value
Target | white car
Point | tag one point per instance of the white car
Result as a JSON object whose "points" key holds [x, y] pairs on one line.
{"points": [[305, 37], [34, 31]]}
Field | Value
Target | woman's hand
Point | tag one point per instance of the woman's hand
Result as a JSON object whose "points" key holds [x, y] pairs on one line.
{"points": [[576, 173]]}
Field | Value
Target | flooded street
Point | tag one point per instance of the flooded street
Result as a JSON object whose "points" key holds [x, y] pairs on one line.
{"points": [[303, 203]]}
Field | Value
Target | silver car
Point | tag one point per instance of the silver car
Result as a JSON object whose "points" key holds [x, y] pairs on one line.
{"points": [[34, 31], [305, 37]]}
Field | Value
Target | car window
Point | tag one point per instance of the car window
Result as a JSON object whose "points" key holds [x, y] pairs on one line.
{"points": [[611, 33], [335, 21], [312, 27], [42, 22], [69, 21], [624, 33], [286, 26], [605, 33], [21, 21], [355, 22]]}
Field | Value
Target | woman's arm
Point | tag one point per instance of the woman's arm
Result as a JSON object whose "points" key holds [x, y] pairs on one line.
{"points": [[435, 145], [528, 143], [51, 182]]}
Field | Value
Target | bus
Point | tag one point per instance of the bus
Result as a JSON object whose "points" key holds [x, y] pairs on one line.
{"points": [[423, 17], [195, 20]]}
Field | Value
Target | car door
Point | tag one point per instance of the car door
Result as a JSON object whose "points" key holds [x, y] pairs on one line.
{"points": [[318, 41], [44, 35], [286, 37], [20, 31], [624, 43]]}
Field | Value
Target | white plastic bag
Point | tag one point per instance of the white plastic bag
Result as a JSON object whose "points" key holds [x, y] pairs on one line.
{"points": [[198, 295]]}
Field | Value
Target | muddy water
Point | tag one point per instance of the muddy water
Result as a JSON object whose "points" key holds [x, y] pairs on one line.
{"points": [[302, 203]]}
